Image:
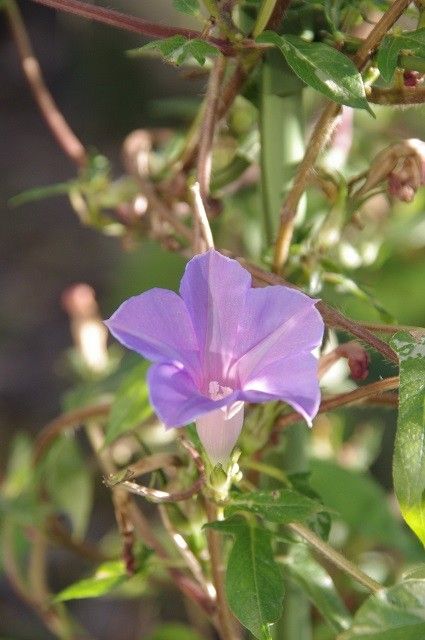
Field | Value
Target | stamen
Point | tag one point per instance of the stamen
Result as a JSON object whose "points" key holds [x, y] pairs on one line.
{"points": [[217, 391]]}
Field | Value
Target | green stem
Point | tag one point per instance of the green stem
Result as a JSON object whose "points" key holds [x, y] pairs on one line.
{"points": [[282, 148], [263, 16], [336, 558], [267, 470], [282, 135]]}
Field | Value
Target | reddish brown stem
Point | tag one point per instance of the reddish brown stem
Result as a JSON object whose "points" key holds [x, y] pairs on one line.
{"points": [[131, 23], [208, 125], [343, 399], [56, 122], [69, 420]]}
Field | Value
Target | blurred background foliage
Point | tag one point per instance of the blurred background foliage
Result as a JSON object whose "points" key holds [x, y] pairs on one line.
{"points": [[44, 248]]}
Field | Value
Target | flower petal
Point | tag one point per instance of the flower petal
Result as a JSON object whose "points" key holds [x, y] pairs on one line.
{"points": [[214, 289], [176, 398], [277, 322], [219, 430], [293, 380], [157, 325]]}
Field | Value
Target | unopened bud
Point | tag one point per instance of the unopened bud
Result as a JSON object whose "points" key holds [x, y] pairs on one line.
{"points": [[357, 358], [412, 78]]}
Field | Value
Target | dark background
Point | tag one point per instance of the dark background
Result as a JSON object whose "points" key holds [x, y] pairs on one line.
{"points": [[43, 247]]}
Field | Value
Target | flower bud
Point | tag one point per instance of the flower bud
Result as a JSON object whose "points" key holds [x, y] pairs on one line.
{"points": [[412, 78], [403, 165]]}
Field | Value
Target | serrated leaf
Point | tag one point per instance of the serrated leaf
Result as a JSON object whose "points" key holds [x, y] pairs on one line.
{"points": [[397, 613], [323, 68], [412, 42], [189, 7], [200, 50], [254, 584], [280, 505], [409, 451], [131, 405], [178, 49], [69, 482], [166, 47], [318, 585], [107, 577]]}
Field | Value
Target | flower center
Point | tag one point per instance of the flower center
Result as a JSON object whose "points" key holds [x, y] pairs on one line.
{"points": [[217, 392]]}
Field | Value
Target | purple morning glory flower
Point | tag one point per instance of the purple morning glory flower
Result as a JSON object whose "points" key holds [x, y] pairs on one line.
{"points": [[221, 343]]}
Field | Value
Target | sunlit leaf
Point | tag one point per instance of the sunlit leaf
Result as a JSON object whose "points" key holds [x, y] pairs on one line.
{"points": [[107, 577], [323, 68], [409, 452]]}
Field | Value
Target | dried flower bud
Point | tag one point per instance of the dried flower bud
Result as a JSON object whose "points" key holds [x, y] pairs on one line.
{"points": [[88, 331], [403, 165]]}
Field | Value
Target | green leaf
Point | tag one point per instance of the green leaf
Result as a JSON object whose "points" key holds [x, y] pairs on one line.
{"points": [[20, 470], [322, 67], [387, 57], [131, 405], [411, 42], [280, 505], [334, 483], [189, 7], [39, 193], [178, 49], [318, 585], [199, 49], [397, 613], [107, 577], [254, 584], [69, 482], [409, 451]]}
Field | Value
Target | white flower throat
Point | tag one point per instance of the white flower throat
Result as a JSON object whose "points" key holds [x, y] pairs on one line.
{"points": [[219, 430]]}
